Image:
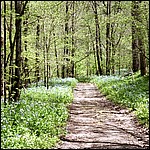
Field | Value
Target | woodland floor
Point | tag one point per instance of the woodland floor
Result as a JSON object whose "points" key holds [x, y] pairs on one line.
{"points": [[97, 123]]}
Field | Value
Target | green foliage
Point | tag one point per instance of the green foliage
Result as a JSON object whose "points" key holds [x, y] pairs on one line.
{"points": [[83, 79], [38, 119], [58, 82], [132, 91], [66, 81]]}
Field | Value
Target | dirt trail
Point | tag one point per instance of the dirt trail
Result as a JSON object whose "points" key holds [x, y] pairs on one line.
{"points": [[96, 123]]}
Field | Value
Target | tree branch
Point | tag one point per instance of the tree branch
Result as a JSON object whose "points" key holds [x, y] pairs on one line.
{"points": [[13, 44], [142, 52], [84, 57]]}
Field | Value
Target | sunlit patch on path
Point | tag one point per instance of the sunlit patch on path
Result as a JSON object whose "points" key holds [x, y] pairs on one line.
{"points": [[97, 123]]}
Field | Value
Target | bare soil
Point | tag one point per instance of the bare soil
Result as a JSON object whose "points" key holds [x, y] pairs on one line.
{"points": [[97, 123]]}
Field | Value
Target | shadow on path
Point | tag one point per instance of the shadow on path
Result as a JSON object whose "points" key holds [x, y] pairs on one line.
{"points": [[97, 123]]}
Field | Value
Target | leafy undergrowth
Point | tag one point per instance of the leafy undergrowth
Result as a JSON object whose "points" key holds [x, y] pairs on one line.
{"points": [[57, 82], [131, 91], [39, 118], [84, 79]]}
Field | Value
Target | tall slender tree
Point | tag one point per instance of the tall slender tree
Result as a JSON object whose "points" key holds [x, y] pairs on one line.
{"points": [[44, 53], [37, 73], [1, 65], [135, 51], [65, 69], [56, 55], [73, 40], [93, 47], [25, 62], [17, 83], [141, 37], [4, 54], [17, 78], [11, 69], [137, 13], [108, 40], [97, 39], [114, 41]]}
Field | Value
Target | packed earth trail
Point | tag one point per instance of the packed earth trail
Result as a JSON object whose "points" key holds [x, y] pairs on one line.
{"points": [[97, 123]]}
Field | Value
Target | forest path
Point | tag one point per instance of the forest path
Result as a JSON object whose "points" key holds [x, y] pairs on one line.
{"points": [[97, 123]]}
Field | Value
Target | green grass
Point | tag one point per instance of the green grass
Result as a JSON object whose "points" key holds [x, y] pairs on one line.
{"points": [[39, 118], [132, 92]]}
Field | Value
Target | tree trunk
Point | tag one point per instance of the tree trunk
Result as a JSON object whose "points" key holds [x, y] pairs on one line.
{"points": [[97, 38], [65, 68], [113, 48], [66, 38], [37, 73], [11, 69], [142, 56], [17, 79], [93, 46], [108, 43], [137, 12], [113, 36], [73, 43], [141, 38], [25, 68], [44, 53], [1, 61], [135, 55], [4, 74], [57, 67], [47, 61]]}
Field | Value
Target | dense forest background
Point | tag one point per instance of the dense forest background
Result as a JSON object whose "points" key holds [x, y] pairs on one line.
{"points": [[45, 39], [48, 47]]}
